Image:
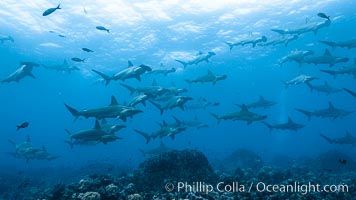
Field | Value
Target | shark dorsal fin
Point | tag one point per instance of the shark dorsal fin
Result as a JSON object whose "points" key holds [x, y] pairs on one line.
{"points": [[195, 117], [290, 120], [154, 82], [129, 63], [331, 106], [65, 63], [327, 53], [244, 108], [113, 101], [261, 98], [161, 65], [44, 148], [210, 73], [177, 120], [348, 133], [103, 121], [97, 125]]}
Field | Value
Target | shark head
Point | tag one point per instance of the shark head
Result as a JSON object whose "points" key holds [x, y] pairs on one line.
{"points": [[342, 60], [210, 53], [146, 68], [261, 117], [308, 53]]}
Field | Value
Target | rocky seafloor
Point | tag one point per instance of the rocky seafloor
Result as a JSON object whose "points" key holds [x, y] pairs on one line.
{"points": [[158, 177]]}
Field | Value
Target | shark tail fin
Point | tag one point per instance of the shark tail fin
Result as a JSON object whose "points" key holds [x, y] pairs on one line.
{"points": [[132, 90], [216, 117], [18, 127], [270, 127], [69, 133], [157, 106], [145, 135], [231, 45], [183, 63], [305, 112], [12, 142], [59, 6], [104, 76], [73, 111], [189, 82], [331, 141]]}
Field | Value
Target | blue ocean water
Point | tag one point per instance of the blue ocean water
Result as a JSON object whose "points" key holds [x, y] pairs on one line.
{"points": [[151, 33]]}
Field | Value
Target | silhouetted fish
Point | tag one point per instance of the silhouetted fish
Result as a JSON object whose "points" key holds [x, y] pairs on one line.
{"points": [[50, 10], [23, 125], [87, 50], [342, 161], [102, 28], [78, 60], [323, 15]]}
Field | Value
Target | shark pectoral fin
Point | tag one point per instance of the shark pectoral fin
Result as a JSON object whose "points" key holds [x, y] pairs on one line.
{"points": [[138, 78], [124, 118], [31, 75], [181, 107]]}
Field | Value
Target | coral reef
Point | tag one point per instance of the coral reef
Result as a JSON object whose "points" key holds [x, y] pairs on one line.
{"points": [[148, 181]]}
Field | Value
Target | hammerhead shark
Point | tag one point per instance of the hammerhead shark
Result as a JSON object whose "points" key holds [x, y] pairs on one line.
{"points": [[347, 139]]}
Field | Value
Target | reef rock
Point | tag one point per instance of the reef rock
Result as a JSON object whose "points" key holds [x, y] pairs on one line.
{"points": [[89, 196], [134, 197], [173, 167]]}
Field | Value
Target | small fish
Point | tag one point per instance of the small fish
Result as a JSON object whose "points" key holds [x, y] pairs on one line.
{"points": [[50, 10], [87, 50], [342, 161], [78, 60], [102, 28], [23, 125], [60, 35], [323, 15]]}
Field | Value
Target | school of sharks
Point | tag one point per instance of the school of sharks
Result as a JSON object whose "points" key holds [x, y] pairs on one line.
{"points": [[110, 119]]}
